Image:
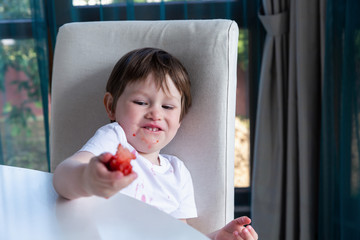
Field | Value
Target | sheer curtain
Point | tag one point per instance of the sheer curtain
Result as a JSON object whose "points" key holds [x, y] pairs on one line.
{"points": [[339, 216]]}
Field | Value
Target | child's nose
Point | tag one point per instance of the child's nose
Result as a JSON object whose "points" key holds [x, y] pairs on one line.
{"points": [[154, 113]]}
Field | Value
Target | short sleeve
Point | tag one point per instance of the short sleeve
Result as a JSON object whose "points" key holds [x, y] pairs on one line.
{"points": [[187, 206], [105, 139]]}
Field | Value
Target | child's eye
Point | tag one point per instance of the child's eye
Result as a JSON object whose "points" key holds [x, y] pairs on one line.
{"points": [[168, 107], [141, 103]]}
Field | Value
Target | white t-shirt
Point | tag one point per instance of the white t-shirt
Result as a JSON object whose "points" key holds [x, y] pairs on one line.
{"points": [[168, 187]]}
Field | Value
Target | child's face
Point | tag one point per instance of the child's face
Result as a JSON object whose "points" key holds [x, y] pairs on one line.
{"points": [[149, 116]]}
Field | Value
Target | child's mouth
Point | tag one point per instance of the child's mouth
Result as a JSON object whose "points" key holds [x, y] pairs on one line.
{"points": [[153, 129]]}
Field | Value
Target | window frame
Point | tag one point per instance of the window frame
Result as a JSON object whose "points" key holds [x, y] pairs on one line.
{"points": [[150, 11], [23, 28]]}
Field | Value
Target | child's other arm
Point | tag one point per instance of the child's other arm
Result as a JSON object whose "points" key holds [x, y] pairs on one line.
{"points": [[235, 230], [84, 174]]}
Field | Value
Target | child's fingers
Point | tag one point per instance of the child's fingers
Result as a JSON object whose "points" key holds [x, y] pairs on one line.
{"points": [[105, 157], [243, 220], [98, 167], [112, 187], [129, 179], [249, 234], [118, 175], [252, 232], [237, 236], [102, 182], [113, 184], [118, 181]]}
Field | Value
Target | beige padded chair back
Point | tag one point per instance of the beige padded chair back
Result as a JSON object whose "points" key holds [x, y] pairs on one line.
{"points": [[85, 54]]}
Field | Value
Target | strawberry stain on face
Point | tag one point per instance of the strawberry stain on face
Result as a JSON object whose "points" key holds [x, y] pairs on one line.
{"points": [[150, 141]]}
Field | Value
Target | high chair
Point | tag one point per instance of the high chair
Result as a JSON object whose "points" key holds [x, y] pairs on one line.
{"points": [[85, 54]]}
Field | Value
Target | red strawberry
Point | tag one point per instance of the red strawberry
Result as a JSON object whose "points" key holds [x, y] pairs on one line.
{"points": [[121, 161]]}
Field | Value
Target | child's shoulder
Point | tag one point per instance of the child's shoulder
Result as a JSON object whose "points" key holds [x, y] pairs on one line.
{"points": [[178, 166], [105, 139], [111, 129], [114, 126], [173, 160]]}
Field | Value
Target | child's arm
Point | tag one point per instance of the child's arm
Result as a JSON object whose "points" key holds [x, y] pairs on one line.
{"points": [[235, 230], [84, 174]]}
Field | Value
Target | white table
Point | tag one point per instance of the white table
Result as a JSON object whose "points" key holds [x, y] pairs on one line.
{"points": [[31, 209]]}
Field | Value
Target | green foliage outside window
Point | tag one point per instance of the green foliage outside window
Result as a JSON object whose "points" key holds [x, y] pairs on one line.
{"points": [[22, 134], [21, 57], [15, 9], [243, 45]]}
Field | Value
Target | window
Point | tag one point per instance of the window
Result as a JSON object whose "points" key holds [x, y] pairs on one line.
{"points": [[242, 130], [242, 124], [22, 135]]}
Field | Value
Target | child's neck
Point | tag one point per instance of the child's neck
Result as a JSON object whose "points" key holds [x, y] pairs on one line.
{"points": [[152, 157]]}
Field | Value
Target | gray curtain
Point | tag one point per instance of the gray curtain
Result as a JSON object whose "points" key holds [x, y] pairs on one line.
{"points": [[286, 150]]}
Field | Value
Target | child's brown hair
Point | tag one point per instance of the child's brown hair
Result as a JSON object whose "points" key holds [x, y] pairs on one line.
{"points": [[138, 64]]}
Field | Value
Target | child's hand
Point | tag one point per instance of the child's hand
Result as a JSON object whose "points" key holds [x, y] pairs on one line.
{"points": [[121, 161], [99, 181], [235, 230]]}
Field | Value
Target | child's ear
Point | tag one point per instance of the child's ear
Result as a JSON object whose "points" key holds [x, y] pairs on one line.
{"points": [[108, 103]]}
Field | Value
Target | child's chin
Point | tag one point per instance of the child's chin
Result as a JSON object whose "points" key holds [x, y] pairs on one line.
{"points": [[147, 149]]}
